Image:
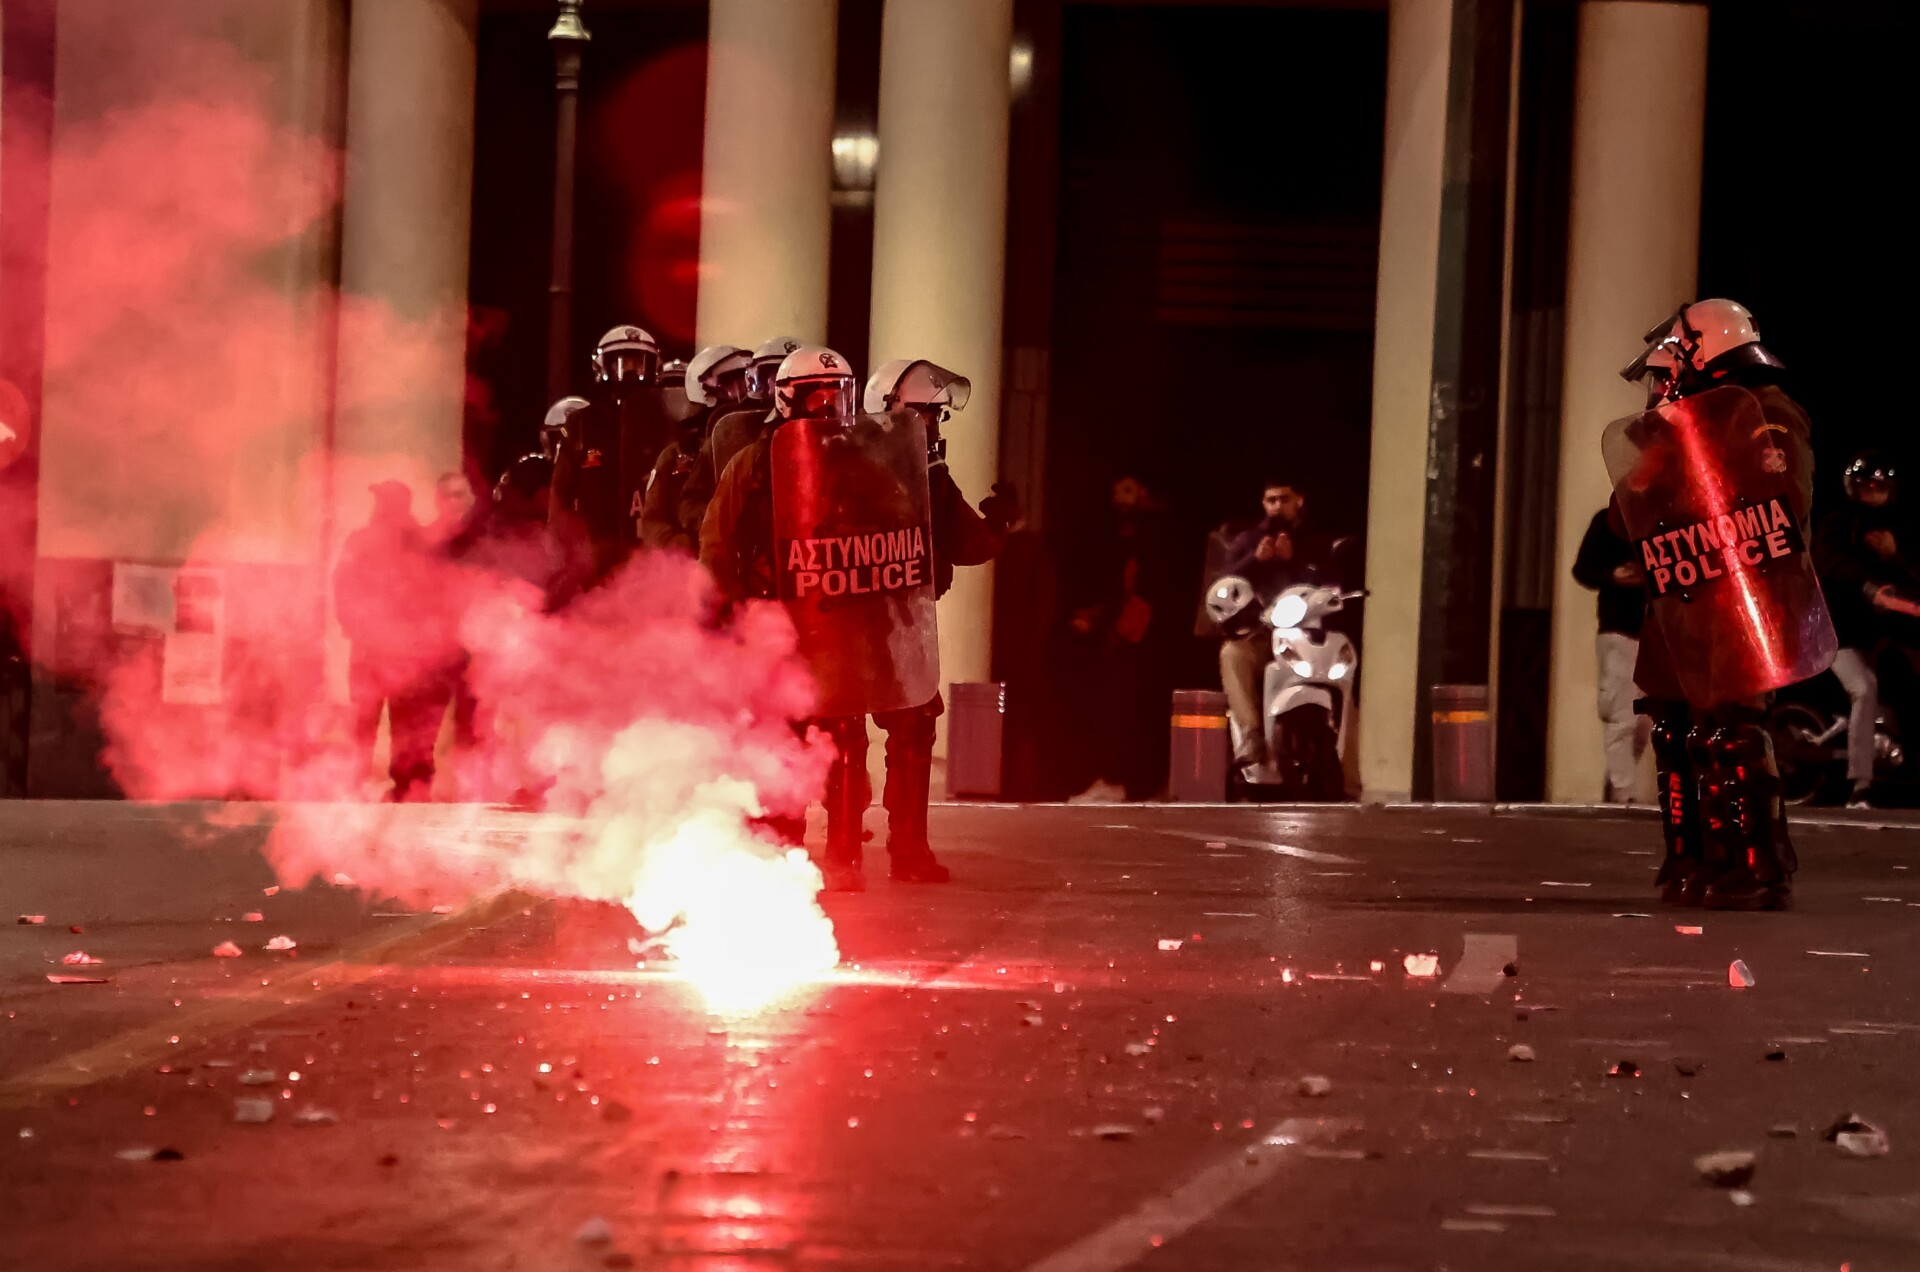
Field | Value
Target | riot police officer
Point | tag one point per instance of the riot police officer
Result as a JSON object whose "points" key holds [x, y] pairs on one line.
{"points": [[731, 429], [600, 473], [1713, 484], [716, 382], [830, 513], [961, 536]]}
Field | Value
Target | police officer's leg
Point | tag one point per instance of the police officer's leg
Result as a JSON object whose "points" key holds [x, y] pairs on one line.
{"points": [[847, 799], [910, 735], [1743, 819], [1853, 668], [1682, 879]]}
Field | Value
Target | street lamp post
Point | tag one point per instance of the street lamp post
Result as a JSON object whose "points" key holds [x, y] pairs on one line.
{"points": [[569, 37]]}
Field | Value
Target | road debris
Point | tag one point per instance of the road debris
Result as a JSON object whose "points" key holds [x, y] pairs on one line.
{"points": [[1520, 1053], [1111, 1131], [315, 1117], [226, 949], [1732, 1168], [253, 1112], [1783, 1130], [1171, 943], [259, 1077], [55, 978], [1740, 1197], [1139, 1048], [80, 958], [253, 916], [31, 920], [1689, 929], [595, 1231], [1624, 1069], [1857, 1137], [1739, 975], [151, 1155], [1314, 1086], [281, 943], [1422, 966]]}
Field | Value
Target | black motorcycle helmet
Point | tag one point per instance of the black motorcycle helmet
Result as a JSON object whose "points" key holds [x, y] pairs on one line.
{"points": [[1870, 473]]}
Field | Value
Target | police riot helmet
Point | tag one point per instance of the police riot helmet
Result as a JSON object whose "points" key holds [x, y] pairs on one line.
{"points": [[626, 355], [916, 383], [1699, 345], [1870, 474], [814, 383], [717, 375], [526, 479], [553, 431], [766, 363], [673, 373]]}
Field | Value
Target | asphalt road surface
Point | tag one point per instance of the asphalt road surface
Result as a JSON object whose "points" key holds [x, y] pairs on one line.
{"points": [[1085, 1054]]}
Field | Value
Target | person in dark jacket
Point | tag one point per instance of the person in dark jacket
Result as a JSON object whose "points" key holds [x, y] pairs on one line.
{"points": [[1607, 564], [1278, 553], [1871, 591]]}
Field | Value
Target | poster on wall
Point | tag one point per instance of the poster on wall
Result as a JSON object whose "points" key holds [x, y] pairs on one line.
{"points": [[191, 657], [142, 599]]}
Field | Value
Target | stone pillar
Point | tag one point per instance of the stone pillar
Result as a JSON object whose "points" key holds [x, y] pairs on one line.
{"points": [[406, 231], [939, 246], [1632, 256], [1418, 39], [766, 209]]}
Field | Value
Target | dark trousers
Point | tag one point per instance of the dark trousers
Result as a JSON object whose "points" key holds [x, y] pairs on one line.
{"points": [[415, 701]]}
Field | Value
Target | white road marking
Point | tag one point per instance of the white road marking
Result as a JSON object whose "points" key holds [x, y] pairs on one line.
{"points": [[1264, 845], [1839, 954], [1483, 963], [1159, 1220]]}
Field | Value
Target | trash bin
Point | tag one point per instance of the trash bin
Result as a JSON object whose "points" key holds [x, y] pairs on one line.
{"points": [[976, 724], [1202, 747], [1462, 745]]}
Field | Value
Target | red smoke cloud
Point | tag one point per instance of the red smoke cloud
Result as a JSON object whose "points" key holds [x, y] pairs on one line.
{"points": [[187, 355]]}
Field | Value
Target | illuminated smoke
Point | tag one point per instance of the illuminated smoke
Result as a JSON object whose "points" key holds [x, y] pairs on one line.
{"points": [[188, 382]]}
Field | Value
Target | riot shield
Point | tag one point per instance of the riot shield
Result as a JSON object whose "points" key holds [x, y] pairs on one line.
{"points": [[1708, 489], [853, 558]]}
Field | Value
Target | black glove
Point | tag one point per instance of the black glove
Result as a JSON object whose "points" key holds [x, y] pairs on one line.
{"points": [[1002, 507]]}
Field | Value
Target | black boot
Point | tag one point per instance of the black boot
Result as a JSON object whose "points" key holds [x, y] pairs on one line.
{"points": [[847, 800], [1744, 818], [909, 784], [1682, 879]]}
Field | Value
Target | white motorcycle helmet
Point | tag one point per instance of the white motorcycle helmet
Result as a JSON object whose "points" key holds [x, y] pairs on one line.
{"points": [[709, 367], [626, 354], [1696, 346], [1232, 605], [814, 383], [766, 363], [553, 430], [916, 382]]}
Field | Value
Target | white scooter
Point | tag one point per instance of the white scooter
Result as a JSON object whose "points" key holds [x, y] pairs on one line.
{"points": [[1307, 700]]}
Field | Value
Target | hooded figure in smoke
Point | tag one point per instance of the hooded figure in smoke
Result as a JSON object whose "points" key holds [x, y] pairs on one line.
{"points": [[1712, 485]]}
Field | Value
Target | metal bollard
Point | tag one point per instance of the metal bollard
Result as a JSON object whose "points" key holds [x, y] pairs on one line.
{"points": [[1462, 745], [1202, 747], [976, 725]]}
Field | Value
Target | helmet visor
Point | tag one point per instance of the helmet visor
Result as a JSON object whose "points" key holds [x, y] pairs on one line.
{"points": [[760, 378], [827, 397], [924, 384], [629, 366]]}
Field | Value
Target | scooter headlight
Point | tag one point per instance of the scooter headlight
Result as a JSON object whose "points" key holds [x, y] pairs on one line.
{"points": [[1288, 611], [1338, 671], [1301, 668]]}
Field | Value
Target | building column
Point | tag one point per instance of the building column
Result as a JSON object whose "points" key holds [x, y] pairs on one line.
{"points": [[1632, 256], [766, 208], [1419, 34], [939, 247], [406, 233]]}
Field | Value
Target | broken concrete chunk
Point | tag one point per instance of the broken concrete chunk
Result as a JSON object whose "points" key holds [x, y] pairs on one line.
{"points": [[1730, 1169], [1520, 1053], [1739, 975], [1314, 1086], [253, 1112]]}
